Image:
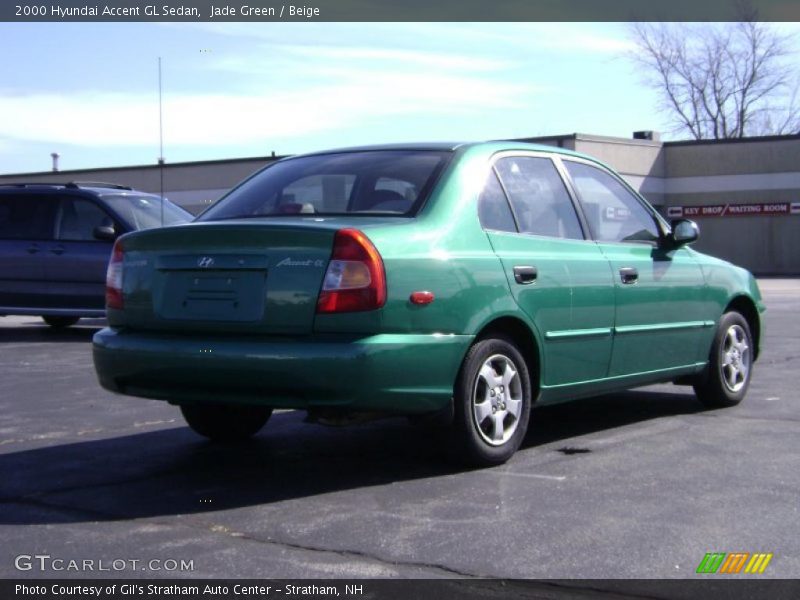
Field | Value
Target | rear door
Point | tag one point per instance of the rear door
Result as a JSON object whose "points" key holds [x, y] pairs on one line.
{"points": [[26, 232], [76, 268], [659, 295], [561, 280]]}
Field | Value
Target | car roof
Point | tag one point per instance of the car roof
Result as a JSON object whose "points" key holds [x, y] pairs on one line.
{"points": [[492, 145], [421, 146], [93, 187]]}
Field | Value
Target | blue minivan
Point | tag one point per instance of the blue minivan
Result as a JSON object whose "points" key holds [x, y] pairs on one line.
{"points": [[55, 242]]}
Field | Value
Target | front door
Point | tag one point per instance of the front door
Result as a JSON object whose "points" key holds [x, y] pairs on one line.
{"points": [[659, 294], [77, 267]]}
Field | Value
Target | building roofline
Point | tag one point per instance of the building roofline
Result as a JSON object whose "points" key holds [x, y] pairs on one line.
{"points": [[530, 140], [589, 137], [624, 140], [194, 163], [744, 140]]}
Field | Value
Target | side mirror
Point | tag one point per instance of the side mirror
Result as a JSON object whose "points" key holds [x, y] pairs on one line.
{"points": [[105, 233], [684, 231]]}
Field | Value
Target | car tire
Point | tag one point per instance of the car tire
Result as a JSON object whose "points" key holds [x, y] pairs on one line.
{"points": [[57, 322], [225, 423], [730, 364], [492, 403]]}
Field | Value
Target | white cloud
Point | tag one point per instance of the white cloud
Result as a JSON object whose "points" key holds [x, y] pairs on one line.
{"points": [[565, 38], [497, 38], [114, 119], [417, 58]]}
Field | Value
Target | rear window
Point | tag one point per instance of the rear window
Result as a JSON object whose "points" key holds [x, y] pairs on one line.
{"points": [[381, 182]]}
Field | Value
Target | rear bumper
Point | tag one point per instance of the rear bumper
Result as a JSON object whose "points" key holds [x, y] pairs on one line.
{"points": [[54, 312], [401, 373]]}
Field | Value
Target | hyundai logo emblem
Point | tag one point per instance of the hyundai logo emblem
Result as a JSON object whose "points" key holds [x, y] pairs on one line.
{"points": [[205, 262]]}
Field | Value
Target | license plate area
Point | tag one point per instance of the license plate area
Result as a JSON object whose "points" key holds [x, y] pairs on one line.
{"points": [[221, 296], [234, 291]]}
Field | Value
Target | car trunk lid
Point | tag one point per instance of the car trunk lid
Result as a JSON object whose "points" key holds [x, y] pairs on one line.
{"points": [[231, 277]]}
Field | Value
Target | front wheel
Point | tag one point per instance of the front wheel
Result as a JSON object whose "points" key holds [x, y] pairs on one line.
{"points": [[730, 364], [492, 399], [225, 423]]}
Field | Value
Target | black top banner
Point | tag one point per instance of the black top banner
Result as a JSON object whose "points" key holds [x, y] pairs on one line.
{"points": [[387, 10]]}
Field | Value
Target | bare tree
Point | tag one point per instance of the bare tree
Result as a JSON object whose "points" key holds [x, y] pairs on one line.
{"points": [[721, 80]]}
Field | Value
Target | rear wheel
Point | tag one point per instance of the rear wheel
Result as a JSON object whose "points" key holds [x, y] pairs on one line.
{"points": [[60, 322], [225, 423], [730, 364], [492, 403]]}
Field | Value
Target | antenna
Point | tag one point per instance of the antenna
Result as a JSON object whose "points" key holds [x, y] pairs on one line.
{"points": [[160, 143]]}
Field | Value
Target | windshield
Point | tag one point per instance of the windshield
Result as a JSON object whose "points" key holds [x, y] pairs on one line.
{"points": [[144, 211], [385, 182]]}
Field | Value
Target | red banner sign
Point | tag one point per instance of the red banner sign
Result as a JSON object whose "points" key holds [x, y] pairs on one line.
{"points": [[735, 210]]}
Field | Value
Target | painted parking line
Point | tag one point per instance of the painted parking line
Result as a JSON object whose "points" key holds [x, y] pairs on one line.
{"points": [[524, 475]]}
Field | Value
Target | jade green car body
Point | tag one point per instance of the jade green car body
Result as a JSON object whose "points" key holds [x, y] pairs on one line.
{"points": [[263, 342]]}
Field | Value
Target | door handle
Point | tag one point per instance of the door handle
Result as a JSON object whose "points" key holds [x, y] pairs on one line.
{"points": [[525, 274], [57, 250], [628, 275], [33, 248]]}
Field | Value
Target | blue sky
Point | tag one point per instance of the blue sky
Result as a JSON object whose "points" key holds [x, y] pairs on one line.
{"points": [[89, 91]]}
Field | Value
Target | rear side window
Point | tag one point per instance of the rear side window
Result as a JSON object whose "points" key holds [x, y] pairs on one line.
{"points": [[613, 212], [540, 201], [493, 208], [27, 217], [381, 182]]}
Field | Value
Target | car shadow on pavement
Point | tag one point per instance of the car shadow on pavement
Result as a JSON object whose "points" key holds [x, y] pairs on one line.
{"points": [[561, 422], [33, 332], [173, 471]]}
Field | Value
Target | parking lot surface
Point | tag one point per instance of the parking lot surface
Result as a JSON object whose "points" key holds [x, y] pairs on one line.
{"points": [[640, 484]]}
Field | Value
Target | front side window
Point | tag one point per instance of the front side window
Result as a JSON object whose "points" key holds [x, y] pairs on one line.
{"points": [[540, 201], [26, 217], [77, 220], [613, 212], [380, 182]]}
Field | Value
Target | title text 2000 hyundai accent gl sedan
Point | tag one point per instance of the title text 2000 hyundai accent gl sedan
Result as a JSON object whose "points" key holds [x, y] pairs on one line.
{"points": [[469, 281]]}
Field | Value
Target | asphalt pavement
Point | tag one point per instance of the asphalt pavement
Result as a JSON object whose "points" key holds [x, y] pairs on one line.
{"points": [[631, 485]]}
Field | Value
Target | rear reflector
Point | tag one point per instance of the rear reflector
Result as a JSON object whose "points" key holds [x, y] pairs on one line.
{"points": [[355, 279], [421, 298], [114, 278]]}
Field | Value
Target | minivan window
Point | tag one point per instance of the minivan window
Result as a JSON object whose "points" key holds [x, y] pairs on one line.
{"points": [[380, 182], [143, 211], [27, 217], [78, 218]]}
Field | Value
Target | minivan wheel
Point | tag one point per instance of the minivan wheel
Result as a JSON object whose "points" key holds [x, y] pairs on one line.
{"points": [[225, 423], [492, 402], [60, 322], [730, 364]]}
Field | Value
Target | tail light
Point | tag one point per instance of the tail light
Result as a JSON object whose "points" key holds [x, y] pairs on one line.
{"points": [[355, 279], [114, 278]]}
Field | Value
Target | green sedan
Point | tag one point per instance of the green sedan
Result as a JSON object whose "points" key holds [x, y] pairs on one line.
{"points": [[466, 283]]}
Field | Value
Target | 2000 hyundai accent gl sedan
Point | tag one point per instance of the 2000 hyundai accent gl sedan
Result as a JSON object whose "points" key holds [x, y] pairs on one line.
{"points": [[472, 281]]}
